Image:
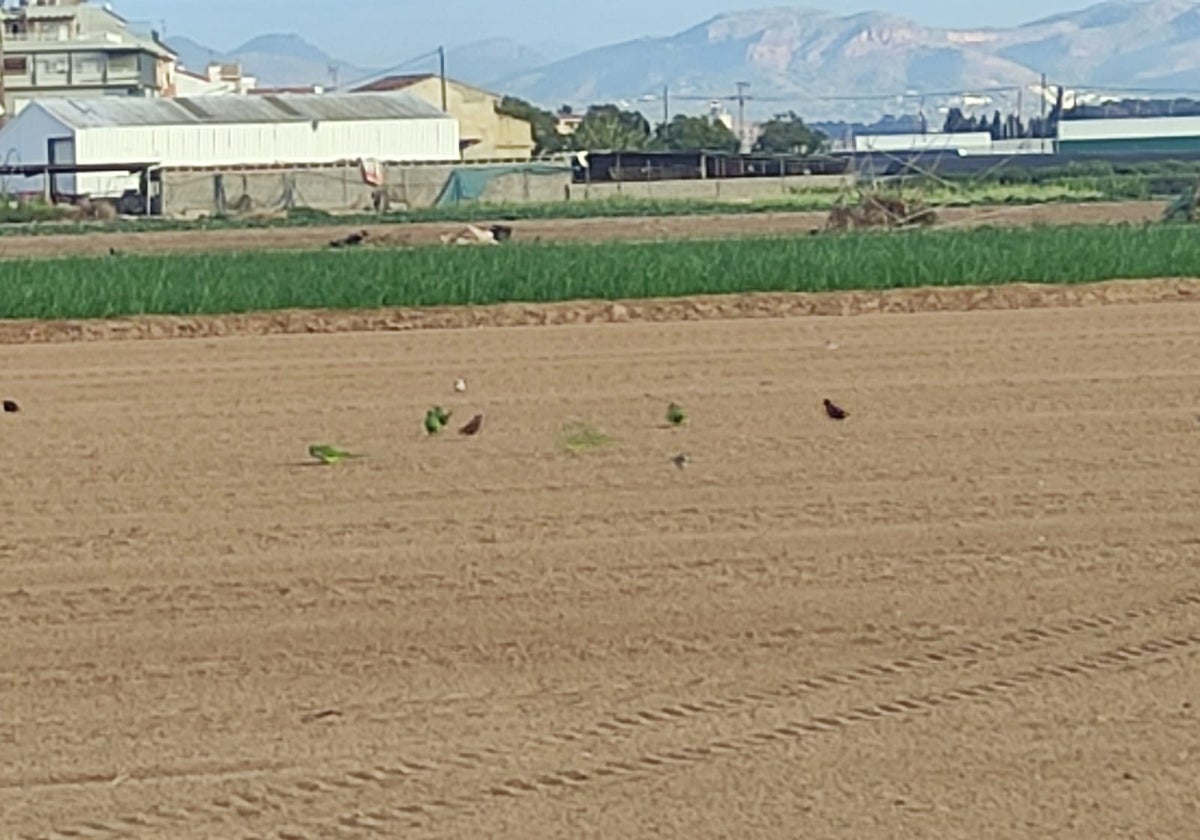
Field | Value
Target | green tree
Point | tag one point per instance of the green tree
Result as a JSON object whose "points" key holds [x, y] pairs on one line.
{"points": [[607, 127], [546, 138], [788, 134], [685, 133]]}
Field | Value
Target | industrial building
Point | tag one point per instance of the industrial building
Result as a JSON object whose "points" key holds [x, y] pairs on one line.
{"points": [[962, 143], [218, 131], [1130, 135], [68, 48], [485, 132]]}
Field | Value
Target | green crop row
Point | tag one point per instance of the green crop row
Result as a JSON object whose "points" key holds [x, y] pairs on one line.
{"points": [[367, 278]]}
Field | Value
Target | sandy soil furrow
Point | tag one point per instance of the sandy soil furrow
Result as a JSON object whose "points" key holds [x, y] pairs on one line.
{"points": [[891, 626]]}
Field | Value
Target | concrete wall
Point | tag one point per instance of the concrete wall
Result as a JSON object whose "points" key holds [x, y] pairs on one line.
{"points": [[712, 189]]}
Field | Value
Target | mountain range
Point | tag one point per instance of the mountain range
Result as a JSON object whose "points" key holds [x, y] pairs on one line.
{"points": [[817, 63]]}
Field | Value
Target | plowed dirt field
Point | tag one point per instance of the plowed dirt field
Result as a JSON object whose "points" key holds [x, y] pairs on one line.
{"points": [[557, 230], [971, 610]]}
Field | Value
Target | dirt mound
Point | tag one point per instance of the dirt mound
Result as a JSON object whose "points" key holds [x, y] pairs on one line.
{"points": [[880, 210], [292, 322]]}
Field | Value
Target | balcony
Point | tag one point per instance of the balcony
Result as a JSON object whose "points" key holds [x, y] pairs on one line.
{"points": [[59, 39]]}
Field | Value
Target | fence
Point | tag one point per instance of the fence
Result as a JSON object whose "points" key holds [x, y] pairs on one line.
{"points": [[345, 188]]}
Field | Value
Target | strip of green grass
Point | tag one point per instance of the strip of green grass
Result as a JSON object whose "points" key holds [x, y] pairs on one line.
{"points": [[368, 278]]}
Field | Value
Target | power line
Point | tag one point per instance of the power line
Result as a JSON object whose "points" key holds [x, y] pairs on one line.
{"points": [[394, 69]]}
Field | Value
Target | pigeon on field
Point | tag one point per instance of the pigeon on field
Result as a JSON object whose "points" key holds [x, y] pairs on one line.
{"points": [[473, 427], [11, 407], [681, 460], [834, 412], [676, 416], [329, 454], [501, 233]]}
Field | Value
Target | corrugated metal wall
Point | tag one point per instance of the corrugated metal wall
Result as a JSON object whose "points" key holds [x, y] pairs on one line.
{"points": [[1070, 131], [258, 144], [420, 140]]}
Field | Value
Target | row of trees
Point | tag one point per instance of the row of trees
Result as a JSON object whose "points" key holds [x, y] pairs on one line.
{"points": [[611, 128], [1000, 127], [1010, 127]]}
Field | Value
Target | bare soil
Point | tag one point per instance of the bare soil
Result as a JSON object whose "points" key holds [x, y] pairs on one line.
{"points": [[563, 230], [972, 609]]}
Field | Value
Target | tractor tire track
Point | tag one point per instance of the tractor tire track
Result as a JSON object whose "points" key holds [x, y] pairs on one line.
{"points": [[403, 771], [560, 781]]}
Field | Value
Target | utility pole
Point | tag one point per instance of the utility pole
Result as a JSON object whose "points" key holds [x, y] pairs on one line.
{"points": [[741, 100], [666, 104], [442, 73], [3, 85], [1043, 131]]}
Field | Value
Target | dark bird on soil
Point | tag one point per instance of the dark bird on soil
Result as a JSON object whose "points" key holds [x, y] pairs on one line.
{"points": [[681, 460], [353, 239], [11, 407], [501, 233], [834, 412], [473, 427]]}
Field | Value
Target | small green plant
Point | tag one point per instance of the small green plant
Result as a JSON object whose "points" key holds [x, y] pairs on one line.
{"points": [[579, 437]]}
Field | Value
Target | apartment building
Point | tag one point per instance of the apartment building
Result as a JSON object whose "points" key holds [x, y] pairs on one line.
{"points": [[71, 48], [486, 133]]}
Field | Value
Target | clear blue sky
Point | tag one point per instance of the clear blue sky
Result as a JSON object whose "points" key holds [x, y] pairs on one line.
{"points": [[379, 32]]}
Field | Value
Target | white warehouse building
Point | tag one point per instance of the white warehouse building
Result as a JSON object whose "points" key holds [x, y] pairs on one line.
{"points": [[216, 131]]}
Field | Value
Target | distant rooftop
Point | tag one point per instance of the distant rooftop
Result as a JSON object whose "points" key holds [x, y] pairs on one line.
{"points": [[405, 81], [133, 111], [394, 82]]}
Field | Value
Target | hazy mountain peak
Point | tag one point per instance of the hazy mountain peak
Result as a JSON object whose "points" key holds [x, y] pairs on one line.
{"points": [[284, 44], [803, 58], [809, 60]]}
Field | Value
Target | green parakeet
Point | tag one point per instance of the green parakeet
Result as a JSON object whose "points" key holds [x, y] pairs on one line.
{"points": [[329, 454], [433, 422], [676, 416]]}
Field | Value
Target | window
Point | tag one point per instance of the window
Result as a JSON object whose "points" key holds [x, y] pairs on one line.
{"points": [[18, 65], [51, 66], [123, 64], [89, 67]]}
